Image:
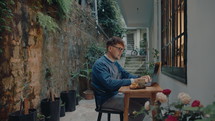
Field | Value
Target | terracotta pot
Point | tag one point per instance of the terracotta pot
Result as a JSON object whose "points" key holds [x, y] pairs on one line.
{"points": [[88, 94]]}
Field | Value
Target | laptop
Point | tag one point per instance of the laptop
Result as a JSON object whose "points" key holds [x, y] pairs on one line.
{"points": [[154, 76]]}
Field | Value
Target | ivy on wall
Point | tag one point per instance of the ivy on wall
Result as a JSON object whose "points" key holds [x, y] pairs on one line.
{"points": [[110, 18], [63, 6], [6, 14], [47, 22]]}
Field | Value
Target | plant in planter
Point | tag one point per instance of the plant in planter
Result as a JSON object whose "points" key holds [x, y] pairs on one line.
{"points": [[75, 84], [86, 73], [24, 114], [151, 64], [40, 117], [50, 106], [62, 110], [94, 51], [69, 97]]}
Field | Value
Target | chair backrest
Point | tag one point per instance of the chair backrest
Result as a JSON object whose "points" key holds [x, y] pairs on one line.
{"points": [[156, 71], [157, 67], [98, 106]]}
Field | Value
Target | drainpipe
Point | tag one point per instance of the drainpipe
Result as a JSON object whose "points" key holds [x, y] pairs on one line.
{"points": [[97, 20], [96, 13]]}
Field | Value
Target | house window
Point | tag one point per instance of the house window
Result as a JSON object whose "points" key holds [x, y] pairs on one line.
{"points": [[174, 39]]}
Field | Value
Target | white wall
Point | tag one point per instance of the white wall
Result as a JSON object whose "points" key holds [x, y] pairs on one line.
{"points": [[201, 52], [201, 49]]}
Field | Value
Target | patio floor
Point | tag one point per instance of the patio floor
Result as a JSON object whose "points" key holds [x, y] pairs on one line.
{"points": [[85, 111]]}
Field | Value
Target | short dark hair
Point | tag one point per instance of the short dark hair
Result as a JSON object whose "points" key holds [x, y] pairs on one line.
{"points": [[114, 40]]}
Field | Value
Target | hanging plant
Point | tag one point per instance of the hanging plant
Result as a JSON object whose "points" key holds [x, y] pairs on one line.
{"points": [[110, 18], [47, 22], [64, 7], [6, 14]]}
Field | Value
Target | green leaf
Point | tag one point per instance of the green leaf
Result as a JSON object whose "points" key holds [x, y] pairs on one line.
{"points": [[47, 22], [12, 2], [189, 108], [82, 75]]}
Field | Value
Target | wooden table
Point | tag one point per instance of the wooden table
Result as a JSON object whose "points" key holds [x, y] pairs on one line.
{"points": [[148, 92]]}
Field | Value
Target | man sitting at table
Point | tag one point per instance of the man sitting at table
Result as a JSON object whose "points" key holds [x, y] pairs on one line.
{"points": [[108, 76]]}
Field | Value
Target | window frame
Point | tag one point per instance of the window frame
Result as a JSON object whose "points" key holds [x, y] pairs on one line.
{"points": [[174, 39]]}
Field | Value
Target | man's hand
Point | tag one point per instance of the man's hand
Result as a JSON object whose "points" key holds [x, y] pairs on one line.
{"points": [[147, 78], [138, 83], [140, 80]]}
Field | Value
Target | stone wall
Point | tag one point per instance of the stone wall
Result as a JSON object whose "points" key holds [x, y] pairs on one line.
{"points": [[28, 50]]}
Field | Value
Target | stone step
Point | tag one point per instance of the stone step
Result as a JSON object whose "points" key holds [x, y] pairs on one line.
{"points": [[135, 59], [134, 63], [135, 68], [136, 72]]}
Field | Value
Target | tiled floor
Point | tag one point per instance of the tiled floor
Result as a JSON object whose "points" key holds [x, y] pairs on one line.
{"points": [[85, 111]]}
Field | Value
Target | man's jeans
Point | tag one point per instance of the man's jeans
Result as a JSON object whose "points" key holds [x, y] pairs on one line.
{"points": [[117, 102]]}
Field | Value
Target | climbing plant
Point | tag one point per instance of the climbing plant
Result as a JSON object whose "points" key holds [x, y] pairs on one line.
{"points": [[47, 22], [6, 14], [51, 12], [64, 6], [109, 17]]}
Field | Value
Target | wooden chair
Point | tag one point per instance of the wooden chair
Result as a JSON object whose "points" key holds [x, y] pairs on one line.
{"points": [[109, 111], [157, 67]]}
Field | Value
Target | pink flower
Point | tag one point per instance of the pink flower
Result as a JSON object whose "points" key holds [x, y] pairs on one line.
{"points": [[196, 103], [184, 98], [171, 118], [166, 92], [161, 97], [147, 106]]}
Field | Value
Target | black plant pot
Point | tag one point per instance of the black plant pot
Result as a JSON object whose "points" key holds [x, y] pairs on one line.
{"points": [[77, 100], [69, 99], [62, 110], [19, 116], [41, 119], [51, 109]]}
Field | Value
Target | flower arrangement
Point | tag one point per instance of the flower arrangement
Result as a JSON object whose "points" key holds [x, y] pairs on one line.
{"points": [[181, 110]]}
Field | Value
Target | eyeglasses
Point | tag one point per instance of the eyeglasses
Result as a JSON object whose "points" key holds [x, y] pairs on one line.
{"points": [[119, 48]]}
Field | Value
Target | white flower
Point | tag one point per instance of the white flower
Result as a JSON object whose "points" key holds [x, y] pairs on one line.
{"points": [[147, 105], [184, 98], [162, 98]]}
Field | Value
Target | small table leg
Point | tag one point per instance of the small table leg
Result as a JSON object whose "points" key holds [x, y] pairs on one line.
{"points": [[126, 107]]}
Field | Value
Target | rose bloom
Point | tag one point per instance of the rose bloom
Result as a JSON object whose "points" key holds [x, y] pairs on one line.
{"points": [[161, 97], [184, 98], [166, 92], [196, 103], [171, 118], [147, 105]]}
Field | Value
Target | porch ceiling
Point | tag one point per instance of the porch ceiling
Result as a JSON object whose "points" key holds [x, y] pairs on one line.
{"points": [[137, 13]]}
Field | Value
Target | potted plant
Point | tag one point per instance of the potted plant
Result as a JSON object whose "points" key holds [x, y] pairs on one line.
{"points": [[24, 114], [69, 97], [40, 117], [86, 73], [50, 106], [94, 51], [62, 110]]}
